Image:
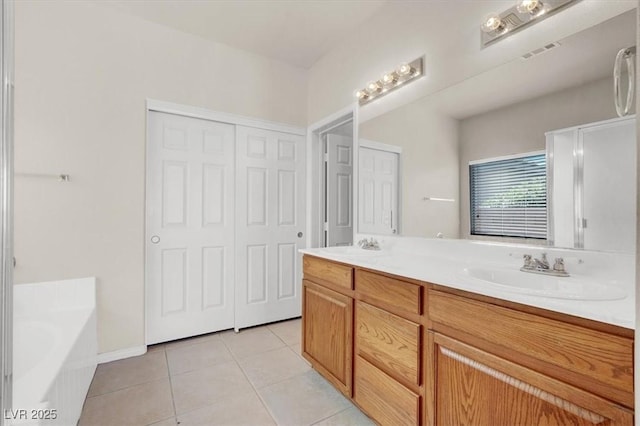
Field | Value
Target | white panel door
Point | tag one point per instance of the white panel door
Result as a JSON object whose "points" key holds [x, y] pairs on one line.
{"points": [[609, 173], [270, 202], [377, 191], [339, 201], [189, 227]]}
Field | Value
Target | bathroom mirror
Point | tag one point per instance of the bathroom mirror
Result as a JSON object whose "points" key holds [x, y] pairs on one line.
{"points": [[503, 115]]}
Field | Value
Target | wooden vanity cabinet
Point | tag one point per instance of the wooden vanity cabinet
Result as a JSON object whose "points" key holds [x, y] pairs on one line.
{"points": [[413, 353], [327, 320]]}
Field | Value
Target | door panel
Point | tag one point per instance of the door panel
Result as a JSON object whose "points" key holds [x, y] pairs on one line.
{"points": [[339, 198], [212, 195], [270, 213], [189, 215], [474, 387], [174, 280], [213, 276], [377, 192], [286, 270]]}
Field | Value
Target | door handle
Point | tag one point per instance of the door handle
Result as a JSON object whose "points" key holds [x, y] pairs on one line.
{"points": [[155, 239], [624, 56], [300, 234]]}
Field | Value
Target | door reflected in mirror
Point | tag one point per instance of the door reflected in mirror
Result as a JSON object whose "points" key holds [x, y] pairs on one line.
{"points": [[512, 110]]}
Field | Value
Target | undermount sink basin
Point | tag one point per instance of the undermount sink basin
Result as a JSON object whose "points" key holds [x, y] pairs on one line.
{"points": [[546, 286]]}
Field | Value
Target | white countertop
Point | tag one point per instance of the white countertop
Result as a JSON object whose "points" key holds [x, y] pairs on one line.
{"points": [[444, 263]]}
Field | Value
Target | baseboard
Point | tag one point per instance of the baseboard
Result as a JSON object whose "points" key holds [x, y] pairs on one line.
{"points": [[121, 354]]}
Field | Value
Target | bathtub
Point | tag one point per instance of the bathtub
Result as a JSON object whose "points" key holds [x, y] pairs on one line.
{"points": [[54, 351]]}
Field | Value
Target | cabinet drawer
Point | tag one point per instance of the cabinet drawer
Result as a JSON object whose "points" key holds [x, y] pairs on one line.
{"points": [[326, 271], [384, 399], [389, 342], [590, 359], [389, 291]]}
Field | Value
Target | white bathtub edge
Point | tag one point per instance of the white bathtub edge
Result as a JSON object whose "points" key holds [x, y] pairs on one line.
{"points": [[122, 354]]}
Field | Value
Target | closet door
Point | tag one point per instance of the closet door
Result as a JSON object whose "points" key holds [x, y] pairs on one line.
{"points": [[189, 227], [270, 221]]}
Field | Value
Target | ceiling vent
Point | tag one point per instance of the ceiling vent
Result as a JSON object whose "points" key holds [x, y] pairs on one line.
{"points": [[540, 50]]}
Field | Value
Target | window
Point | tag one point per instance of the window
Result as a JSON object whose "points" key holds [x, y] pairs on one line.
{"points": [[509, 196]]}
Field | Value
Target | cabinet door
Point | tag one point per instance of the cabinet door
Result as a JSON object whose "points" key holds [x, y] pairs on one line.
{"points": [[473, 387], [327, 321]]}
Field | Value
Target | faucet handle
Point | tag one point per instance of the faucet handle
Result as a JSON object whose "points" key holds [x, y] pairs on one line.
{"points": [[528, 260], [559, 265]]}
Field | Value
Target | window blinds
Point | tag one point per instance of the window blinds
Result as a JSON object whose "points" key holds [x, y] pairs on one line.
{"points": [[509, 197]]}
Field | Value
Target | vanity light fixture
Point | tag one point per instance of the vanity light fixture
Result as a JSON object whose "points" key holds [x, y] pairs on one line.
{"points": [[391, 80], [525, 12]]}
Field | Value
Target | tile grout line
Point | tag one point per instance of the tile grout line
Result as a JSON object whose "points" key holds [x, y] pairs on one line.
{"points": [[202, 339], [251, 383], [278, 381], [157, 379], [173, 401], [328, 417]]}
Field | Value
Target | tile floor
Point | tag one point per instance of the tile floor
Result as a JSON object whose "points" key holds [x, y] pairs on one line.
{"points": [[255, 377]]}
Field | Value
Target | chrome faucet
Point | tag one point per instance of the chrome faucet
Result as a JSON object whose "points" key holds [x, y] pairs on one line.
{"points": [[542, 263], [370, 244], [541, 266]]}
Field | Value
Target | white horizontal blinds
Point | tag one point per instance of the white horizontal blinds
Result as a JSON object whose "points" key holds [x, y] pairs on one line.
{"points": [[509, 197]]}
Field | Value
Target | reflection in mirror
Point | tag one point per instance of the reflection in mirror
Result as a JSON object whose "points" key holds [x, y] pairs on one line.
{"points": [[337, 144], [378, 188], [592, 177], [524, 107]]}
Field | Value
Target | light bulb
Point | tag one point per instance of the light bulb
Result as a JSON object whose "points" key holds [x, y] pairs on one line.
{"points": [[531, 7], [404, 69], [389, 78], [361, 94], [373, 87], [492, 23]]}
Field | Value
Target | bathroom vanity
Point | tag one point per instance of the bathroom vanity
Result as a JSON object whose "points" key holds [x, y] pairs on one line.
{"points": [[410, 351]]}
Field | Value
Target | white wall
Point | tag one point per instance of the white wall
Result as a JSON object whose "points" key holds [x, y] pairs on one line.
{"points": [[520, 128], [82, 76], [429, 165]]}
